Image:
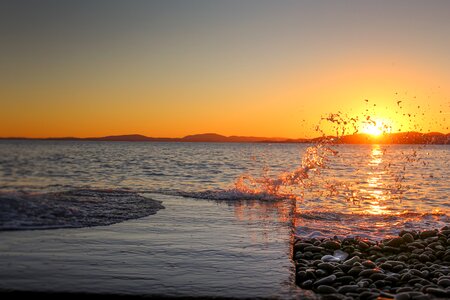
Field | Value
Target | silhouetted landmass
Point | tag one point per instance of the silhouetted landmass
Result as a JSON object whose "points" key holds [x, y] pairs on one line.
{"points": [[358, 138]]}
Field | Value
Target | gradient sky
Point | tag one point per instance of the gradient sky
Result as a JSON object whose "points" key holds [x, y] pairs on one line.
{"points": [[262, 68]]}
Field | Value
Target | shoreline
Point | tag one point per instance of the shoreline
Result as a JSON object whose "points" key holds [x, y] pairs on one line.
{"points": [[414, 265]]}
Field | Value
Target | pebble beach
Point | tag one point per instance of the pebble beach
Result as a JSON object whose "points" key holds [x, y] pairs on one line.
{"points": [[414, 265]]}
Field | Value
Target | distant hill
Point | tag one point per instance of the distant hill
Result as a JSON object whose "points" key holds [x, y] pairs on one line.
{"points": [[359, 138]]}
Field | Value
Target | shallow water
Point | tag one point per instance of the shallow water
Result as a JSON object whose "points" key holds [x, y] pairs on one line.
{"points": [[191, 248]]}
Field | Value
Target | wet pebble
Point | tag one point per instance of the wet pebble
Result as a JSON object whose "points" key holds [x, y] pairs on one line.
{"points": [[415, 265], [326, 289]]}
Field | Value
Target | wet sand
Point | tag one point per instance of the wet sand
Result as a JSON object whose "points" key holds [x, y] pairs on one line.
{"points": [[193, 248]]}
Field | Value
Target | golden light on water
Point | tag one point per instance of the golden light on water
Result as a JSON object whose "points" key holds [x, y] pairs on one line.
{"points": [[374, 191]]}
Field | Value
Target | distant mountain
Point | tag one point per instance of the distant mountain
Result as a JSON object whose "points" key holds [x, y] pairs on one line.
{"points": [[205, 137], [358, 138]]}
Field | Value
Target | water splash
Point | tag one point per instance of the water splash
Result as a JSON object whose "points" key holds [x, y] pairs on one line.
{"points": [[311, 177]]}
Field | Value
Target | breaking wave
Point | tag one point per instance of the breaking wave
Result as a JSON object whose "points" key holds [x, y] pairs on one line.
{"points": [[72, 209]]}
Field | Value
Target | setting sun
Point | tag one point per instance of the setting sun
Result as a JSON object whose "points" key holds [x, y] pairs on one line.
{"points": [[375, 127], [372, 129]]}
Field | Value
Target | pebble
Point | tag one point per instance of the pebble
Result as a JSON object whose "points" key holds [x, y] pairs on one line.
{"points": [[331, 245], [444, 282], [326, 289], [330, 258], [395, 242], [348, 289], [408, 238], [413, 266], [326, 280]]}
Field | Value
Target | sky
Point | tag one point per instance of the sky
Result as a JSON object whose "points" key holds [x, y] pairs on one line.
{"points": [[248, 67]]}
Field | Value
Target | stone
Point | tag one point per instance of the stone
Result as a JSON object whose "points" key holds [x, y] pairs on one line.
{"points": [[362, 245], [369, 264], [353, 288], [428, 233], [333, 245], [313, 249], [408, 238], [326, 289], [352, 260], [326, 280], [330, 258], [402, 296], [326, 266], [438, 292], [368, 272], [307, 284], [395, 242], [444, 282], [378, 276]]}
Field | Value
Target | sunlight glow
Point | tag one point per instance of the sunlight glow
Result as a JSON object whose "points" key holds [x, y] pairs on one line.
{"points": [[375, 127]]}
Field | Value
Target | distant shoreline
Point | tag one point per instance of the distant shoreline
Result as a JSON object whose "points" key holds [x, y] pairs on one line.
{"points": [[435, 138]]}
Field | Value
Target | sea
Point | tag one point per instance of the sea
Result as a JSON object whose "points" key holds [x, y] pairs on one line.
{"points": [[200, 219]]}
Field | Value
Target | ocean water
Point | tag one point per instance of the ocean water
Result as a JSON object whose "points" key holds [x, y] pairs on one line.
{"points": [[368, 190], [200, 219]]}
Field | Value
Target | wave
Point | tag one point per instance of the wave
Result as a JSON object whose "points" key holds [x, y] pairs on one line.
{"points": [[230, 195], [72, 209], [322, 223]]}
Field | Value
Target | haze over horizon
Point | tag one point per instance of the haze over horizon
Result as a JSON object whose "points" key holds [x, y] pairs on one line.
{"points": [[247, 68]]}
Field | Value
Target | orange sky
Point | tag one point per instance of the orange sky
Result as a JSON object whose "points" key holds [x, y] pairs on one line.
{"points": [[234, 69]]}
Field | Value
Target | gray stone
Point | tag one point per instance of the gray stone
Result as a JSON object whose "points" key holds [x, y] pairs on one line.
{"points": [[438, 292], [369, 264], [326, 266], [348, 289], [333, 245], [444, 282], [395, 242], [408, 238], [326, 280], [326, 289]]}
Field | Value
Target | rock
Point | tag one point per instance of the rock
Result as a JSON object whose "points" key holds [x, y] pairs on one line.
{"points": [[326, 266], [428, 233], [348, 289], [386, 295], [437, 292], [444, 282], [402, 296], [408, 238], [369, 264], [352, 260], [340, 254], [424, 258], [390, 249], [378, 276], [345, 279], [299, 246], [313, 249], [395, 242], [333, 245], [326, 280], [354, 271], [321, 273], [307, 284], [368, 295], [362, 245], [326, 289], [368, 272], [330, 258]]}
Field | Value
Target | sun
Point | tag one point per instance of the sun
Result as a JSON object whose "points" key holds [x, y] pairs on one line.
{"points": [[371, 129], [375, 127]]}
